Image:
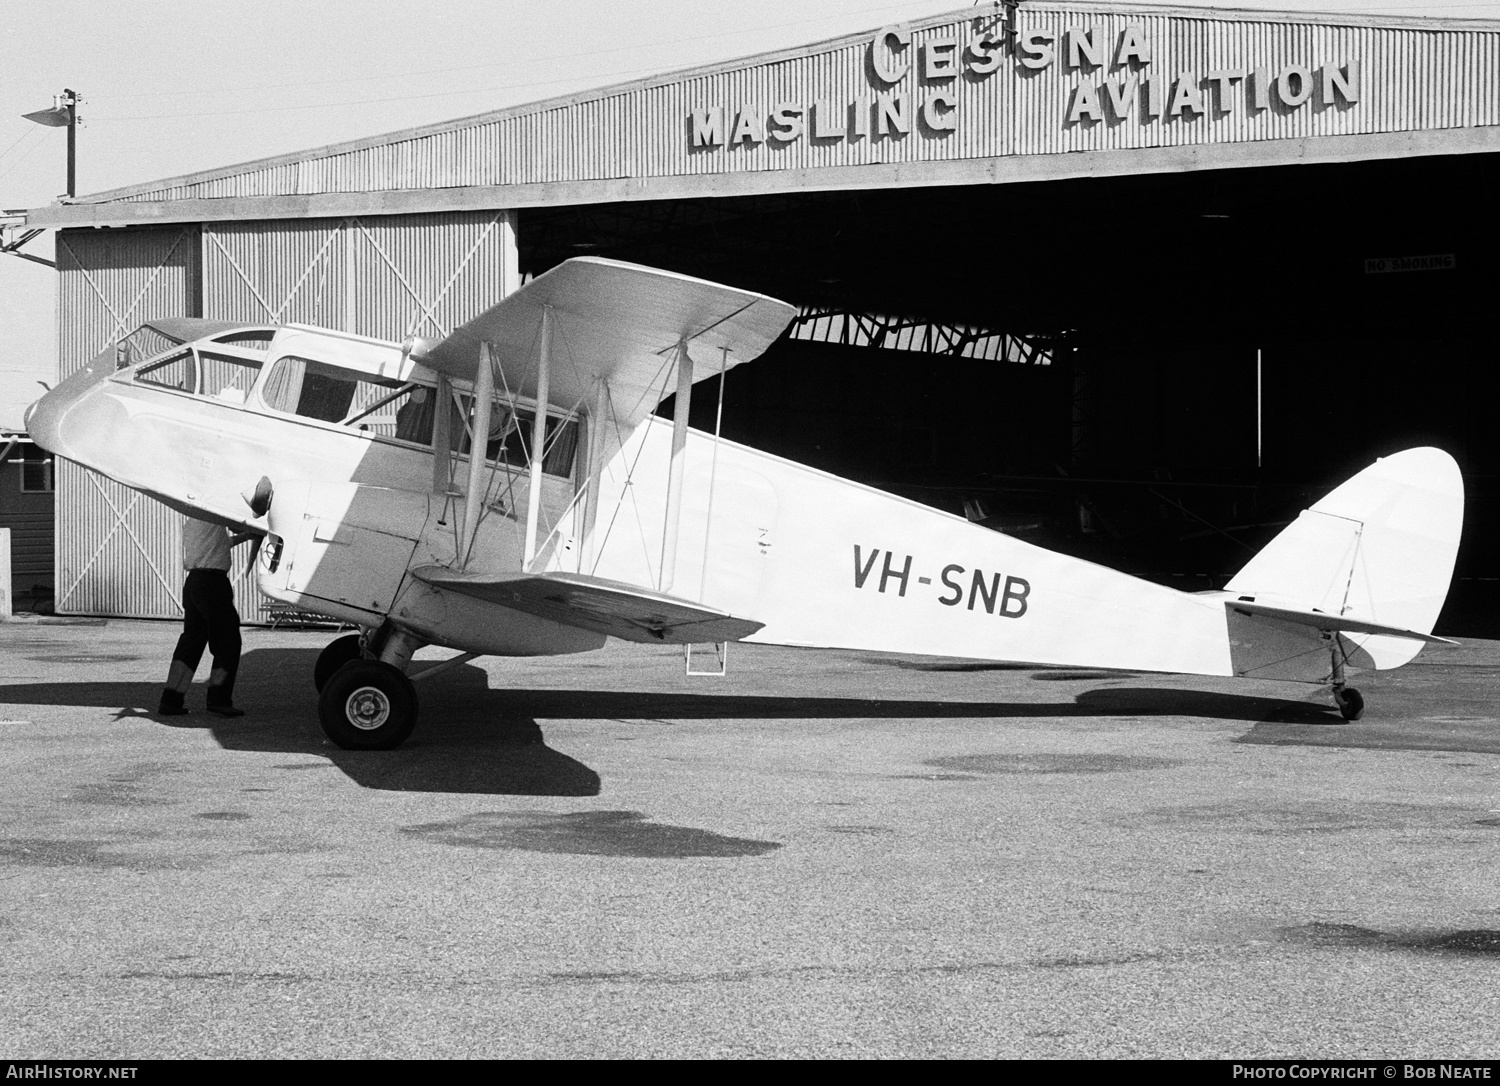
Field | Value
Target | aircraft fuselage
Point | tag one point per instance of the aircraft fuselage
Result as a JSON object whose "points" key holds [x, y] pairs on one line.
{"points": [[201, 451]]}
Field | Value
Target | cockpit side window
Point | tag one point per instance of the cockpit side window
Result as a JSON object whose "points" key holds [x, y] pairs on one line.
{"points": [[405, 413], [375, 405], [140, 345], [227, 377], [179, 371]]}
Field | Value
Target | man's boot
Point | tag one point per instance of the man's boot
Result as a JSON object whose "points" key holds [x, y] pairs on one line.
{"points": [[179, 678], [171, 704], [221, 694]]}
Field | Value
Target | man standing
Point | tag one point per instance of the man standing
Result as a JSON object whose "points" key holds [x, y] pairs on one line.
{"points": [[209, 619]]}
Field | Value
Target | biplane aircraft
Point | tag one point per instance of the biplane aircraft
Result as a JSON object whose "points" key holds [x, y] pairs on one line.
{"points": [[509, 490]]}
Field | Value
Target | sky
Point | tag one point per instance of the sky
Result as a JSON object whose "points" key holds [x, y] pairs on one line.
{"points": [[175, 86]]}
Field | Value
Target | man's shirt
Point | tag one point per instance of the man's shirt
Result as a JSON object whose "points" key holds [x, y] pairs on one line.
{"points": [[204, 545]]}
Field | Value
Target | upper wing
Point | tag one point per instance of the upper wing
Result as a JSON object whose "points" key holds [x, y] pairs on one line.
{"points": [[616, 321], [593, 603]]}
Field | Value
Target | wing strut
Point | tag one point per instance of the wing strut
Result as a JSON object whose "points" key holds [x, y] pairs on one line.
{"points": [[674, 482], [442, 438], [713, 476], [538, 437], [594, 431], [484, 393]]}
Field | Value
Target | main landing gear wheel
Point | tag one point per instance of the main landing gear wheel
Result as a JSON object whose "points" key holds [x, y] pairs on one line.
{"points": [[1350, 704], [368, 705], [342, 651]]}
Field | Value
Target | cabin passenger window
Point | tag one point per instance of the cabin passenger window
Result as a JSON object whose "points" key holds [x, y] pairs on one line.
{"points": [[562, 447], [310, 389], [510, 439], [180, 371], [381, 406], [562, 443], [226, 377]]}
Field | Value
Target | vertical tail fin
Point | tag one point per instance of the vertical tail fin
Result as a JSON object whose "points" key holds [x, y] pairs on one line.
{"points": [[1380, 548]]}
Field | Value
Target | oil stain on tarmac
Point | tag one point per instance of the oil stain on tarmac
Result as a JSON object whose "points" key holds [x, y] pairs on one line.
{"points": [[1472, 734], [862, 831], [83, 658], [1481, 942], [1049, 763], [74, 852], [586, 833], [125, 788], [1295, 818], [46, 650]]}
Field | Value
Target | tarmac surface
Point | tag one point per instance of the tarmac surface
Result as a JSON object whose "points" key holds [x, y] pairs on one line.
{"points": [[821, 854]]}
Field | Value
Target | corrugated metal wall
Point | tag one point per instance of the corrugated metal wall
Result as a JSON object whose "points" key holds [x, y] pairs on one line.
{"points": [[1410, 78], [118, 552], [388, 277]]}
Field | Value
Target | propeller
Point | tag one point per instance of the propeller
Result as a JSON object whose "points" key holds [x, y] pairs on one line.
{"points": [[259, 498]]}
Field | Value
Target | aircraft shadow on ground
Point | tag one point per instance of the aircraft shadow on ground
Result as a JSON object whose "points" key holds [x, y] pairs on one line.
{"points": [[464, 742], [473, 739]]}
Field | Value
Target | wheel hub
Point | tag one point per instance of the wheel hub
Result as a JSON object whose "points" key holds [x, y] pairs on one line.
{"points": [[368, 708]]}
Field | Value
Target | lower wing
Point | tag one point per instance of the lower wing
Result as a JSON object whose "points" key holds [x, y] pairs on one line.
{"points": [[620, 610]]}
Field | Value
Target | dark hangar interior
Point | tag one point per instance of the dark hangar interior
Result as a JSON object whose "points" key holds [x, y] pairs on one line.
{"points": [[1135, 434]]}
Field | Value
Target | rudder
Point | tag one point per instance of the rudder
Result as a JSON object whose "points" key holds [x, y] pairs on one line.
{"points": [[1380, 548]]}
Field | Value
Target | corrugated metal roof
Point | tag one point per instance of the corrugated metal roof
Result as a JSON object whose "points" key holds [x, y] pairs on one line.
{"points": [[970, 98]]}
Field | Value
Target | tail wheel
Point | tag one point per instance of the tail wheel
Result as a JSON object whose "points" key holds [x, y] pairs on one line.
{"points": [[342, 651], [368, 705], [1350, 702]]}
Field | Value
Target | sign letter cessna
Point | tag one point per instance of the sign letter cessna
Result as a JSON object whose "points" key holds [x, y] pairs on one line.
{"points": [[508, 490]]}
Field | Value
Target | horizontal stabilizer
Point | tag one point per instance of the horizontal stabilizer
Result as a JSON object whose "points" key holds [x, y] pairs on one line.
{"points": [[1331, 623], [611, 607], [617, 322]]}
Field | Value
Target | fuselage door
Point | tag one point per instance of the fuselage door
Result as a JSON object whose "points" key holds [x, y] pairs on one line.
{"points": [[344, 544]]}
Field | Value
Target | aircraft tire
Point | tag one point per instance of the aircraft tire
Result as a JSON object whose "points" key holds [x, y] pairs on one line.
{"points": [[339, 652], [368, 705], [1351, 704]]}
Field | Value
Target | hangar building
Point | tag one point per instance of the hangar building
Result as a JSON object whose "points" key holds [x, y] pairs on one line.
{"points": [[1136, 280]]}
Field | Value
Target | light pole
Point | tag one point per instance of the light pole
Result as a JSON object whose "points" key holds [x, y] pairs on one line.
{"points": [[64, 113]]}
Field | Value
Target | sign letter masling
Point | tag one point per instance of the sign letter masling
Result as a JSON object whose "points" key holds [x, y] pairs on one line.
{"points": [[915, 74]]}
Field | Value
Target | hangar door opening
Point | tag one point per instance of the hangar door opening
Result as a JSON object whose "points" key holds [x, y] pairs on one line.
{"points": [[1216, 349]]}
